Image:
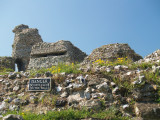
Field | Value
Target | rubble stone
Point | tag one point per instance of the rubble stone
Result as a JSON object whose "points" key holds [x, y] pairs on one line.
{"points": [[16, 88], [103, 87], [13, 117], [61, 102], [148, 111], [12, 75], [153, 56]]}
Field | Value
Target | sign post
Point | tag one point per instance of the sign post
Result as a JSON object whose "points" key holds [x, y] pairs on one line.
{"points": [[39, 84]]}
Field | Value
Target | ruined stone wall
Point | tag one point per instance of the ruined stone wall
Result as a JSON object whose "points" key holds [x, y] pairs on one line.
{"points": [[111, 52], [29, 51], [48, 48], [7, 62], [46, 62], [25, 38], [48, 54]]}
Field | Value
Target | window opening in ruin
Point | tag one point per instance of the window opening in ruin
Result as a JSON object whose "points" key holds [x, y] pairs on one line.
{"points": [[19, 64], [49, 54]]}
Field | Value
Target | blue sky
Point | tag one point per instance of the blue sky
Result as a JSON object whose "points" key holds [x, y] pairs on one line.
{"points": [[88, 24]]}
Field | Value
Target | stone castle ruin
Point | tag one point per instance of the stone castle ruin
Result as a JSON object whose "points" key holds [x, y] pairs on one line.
{"points": [[29, 50]]}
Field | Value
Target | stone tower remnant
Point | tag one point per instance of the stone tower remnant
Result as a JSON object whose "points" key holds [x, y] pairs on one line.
{"points": [[24, 39], [47, 54]]}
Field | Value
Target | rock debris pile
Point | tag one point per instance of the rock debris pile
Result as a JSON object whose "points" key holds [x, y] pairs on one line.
{"points": [[154, 57], [129, 89]]}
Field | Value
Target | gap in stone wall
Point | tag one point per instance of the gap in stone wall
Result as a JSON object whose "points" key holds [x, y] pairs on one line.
{"points": [[19, 64], [49, 54], [16, 68]]}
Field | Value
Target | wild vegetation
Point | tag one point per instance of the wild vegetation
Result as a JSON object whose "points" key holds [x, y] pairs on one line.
{"points": [[60, 68], [4, 71], [125, 85], [71, 114]]}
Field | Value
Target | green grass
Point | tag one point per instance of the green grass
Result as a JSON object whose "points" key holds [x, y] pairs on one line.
{"points": [[143, 66], [71, 114], [33, 72], [49, 102], [60, 68], [152, 77], [4, 71]]}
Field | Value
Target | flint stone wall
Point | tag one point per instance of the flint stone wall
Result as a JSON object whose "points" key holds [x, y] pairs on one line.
{"points": [[25, 38], [111, 52], [155, 56], [7, 62], [48, 54]]}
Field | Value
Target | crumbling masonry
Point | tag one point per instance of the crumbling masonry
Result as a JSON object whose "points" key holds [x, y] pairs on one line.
{"points": [[29, 51], [24, 39]]}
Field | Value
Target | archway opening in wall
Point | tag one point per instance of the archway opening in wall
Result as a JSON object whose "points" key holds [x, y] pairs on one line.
{"points": [[19, 64]]}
